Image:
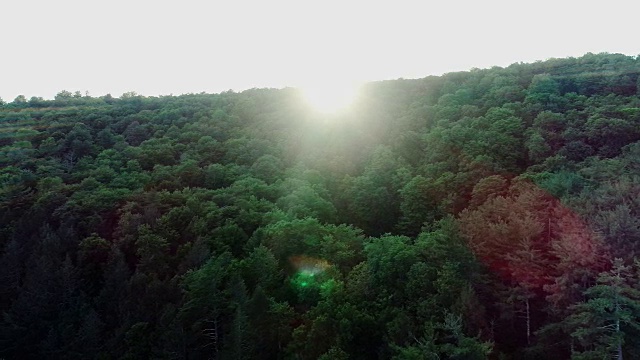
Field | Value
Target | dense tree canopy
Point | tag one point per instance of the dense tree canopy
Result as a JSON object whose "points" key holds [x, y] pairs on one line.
{"points": [[484, 214]]}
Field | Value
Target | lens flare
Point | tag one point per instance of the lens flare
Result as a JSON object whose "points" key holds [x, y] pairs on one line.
{"points": [[307, 269]]}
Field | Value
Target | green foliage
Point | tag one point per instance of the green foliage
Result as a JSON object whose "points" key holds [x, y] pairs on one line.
{"points": [[609, 316], [472, 215]]}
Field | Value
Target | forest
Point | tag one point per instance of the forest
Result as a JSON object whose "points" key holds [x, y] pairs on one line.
{"points": [[485, 214]]}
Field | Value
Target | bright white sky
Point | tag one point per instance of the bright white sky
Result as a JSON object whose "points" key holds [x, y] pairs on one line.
{"points": [[175, 47]]}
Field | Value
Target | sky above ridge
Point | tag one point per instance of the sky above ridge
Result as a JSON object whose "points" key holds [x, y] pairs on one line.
{"points": [[161, 48]]}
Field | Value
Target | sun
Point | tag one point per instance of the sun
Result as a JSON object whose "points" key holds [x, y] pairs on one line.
{"points": [[328, 97]]}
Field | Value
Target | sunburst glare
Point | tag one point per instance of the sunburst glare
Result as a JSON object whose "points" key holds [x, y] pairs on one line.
{"points": [[328, 97]]}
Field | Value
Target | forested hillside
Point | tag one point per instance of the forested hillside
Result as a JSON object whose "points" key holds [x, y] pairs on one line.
{"points": [[493, 213]]}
